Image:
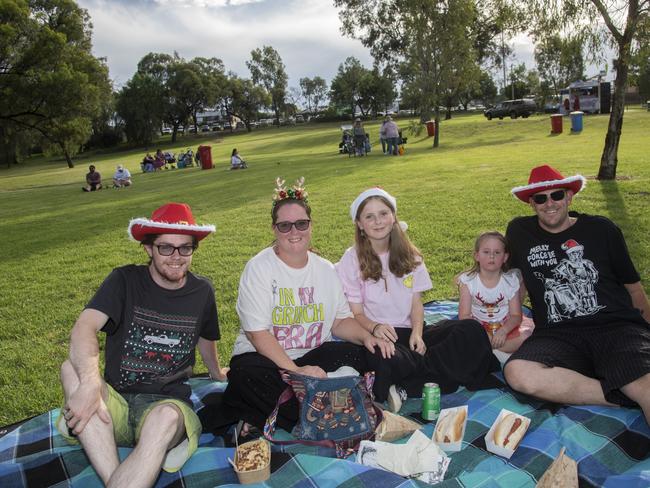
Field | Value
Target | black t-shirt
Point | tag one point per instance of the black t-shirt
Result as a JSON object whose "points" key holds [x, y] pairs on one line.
{"points": [[152, 332], [577, 276]]}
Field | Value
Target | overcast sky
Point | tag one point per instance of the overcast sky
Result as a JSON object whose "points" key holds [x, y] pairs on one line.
{"points": [[305, 33]]}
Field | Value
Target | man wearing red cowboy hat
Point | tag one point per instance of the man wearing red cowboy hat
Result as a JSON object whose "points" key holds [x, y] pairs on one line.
{"points": [[591, 343], [153, 316]]}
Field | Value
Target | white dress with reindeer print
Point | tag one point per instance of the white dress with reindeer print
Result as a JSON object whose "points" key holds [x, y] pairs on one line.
{"points": [[491, 304]]}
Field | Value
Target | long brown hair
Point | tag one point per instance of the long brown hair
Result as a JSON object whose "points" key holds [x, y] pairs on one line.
{"points": [[403, 258], [493, 234]]}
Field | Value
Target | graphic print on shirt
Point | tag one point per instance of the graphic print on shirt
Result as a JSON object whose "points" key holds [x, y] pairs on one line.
{"points": [[571, 291], [297, 321], [155, 346], [490, 309]]}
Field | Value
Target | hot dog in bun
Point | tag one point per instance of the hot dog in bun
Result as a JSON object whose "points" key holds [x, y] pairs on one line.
{"points": [[450, 427], [509, 431]]}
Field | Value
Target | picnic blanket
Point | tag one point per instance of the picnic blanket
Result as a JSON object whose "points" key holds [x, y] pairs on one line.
{"points": [[610, 445]]}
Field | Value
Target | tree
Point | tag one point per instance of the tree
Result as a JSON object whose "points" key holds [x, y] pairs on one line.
{"points": [[487, 89], [314, 91], [50, 82], [244, 99], [141, 105], [346, 88], [640, 64], [267, 69], [559, 60], [621, 21], [378, 90], [434, 43]]}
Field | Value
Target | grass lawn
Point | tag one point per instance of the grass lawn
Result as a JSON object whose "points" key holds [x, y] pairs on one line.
{"points": [[59, 243]]}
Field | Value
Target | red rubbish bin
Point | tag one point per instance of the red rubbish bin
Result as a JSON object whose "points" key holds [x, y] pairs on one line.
{"points": [[205, 155], [556, 124], [431, 128]]}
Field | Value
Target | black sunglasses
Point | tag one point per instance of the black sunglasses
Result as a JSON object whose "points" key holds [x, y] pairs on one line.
{"points": [[556, 196], [285, 227]]}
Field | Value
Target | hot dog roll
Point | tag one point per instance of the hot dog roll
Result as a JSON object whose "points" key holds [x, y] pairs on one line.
{"points": [[450, 427], [509, 431]]}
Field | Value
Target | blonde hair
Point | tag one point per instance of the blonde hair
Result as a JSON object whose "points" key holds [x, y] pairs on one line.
{"points": [[404, 257], [493, 234]]}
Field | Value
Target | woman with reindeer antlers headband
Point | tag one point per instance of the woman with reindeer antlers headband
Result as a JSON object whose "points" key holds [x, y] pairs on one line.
{"points": [[290, 305]]}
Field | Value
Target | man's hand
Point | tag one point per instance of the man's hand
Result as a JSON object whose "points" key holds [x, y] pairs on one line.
{"points": [[387, 348], [417, 344], [315, 371], [85, 402], [386, 332], [498, 338]]}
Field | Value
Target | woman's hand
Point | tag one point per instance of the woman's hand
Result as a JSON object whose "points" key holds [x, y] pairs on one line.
{"points": [[417, 344], [387, 348], [315, 371], [498, 338], [385, 331]]}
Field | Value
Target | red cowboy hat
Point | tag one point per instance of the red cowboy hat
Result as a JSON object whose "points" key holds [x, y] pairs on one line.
{"points": [[547, 178], [171, 218]]}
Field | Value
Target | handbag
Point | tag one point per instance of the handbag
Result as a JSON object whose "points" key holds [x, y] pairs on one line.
{"points": [[334, 412]]}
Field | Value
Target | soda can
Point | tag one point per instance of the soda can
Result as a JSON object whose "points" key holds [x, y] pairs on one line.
{"points": [[430, 401]]}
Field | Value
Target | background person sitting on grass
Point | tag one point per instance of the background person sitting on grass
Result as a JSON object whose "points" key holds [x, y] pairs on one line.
{"points": [[93, 180], [236, 161], [122, 177]]}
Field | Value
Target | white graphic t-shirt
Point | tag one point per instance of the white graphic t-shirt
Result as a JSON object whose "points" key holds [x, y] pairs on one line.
{"points": [[491, 304], [298, 306]]}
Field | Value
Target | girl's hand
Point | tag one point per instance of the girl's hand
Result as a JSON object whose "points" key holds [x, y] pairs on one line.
{"points": [[498, 338], [386, 348], [417, 344], [386, 332]]}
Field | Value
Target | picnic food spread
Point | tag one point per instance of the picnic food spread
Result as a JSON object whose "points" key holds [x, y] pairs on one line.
{"points": [[509, 431], [450, 427], [252, 456]]}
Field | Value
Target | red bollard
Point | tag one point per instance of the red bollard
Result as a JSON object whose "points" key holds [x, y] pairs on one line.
{"points": [[556, 124]]}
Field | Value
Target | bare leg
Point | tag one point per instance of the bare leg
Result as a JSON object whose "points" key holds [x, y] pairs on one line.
{"points": [[639, 391], [513, 344], [558, 385], [163, 428], [97, 438]]}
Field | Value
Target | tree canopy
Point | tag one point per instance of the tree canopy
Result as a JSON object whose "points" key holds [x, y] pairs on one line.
{"points": [[267, 70], [51, 85]]}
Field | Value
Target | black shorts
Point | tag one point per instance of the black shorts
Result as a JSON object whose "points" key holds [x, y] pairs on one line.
{"points": [[615, 354]]}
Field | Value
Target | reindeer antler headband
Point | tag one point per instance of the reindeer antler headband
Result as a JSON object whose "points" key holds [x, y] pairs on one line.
{"points": [[296, 192]]}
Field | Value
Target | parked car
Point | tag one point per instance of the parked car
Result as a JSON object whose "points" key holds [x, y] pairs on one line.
{"points": [[205, 128], [217, 127], [166, 130], [227, 126], [192, 129], [522, 107], [551, 108]]}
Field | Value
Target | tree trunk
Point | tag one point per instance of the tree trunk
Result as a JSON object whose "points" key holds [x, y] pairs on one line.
{"points": [[436, 126], [68, 159], [609, 158]]}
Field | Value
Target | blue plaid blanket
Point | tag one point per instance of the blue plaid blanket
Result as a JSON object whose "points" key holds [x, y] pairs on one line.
{"points": [[610, 445]]}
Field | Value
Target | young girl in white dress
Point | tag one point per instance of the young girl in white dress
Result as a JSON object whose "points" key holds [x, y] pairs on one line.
{"points": [[491, 294]]}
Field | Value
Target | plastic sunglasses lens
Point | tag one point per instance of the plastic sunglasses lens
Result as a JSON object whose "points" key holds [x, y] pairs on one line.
{"points": [[557, 195], [539, 199], [301, 224], [283, 227]]}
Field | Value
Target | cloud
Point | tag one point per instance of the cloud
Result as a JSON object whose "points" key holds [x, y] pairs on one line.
{"points": [[305, 33]]}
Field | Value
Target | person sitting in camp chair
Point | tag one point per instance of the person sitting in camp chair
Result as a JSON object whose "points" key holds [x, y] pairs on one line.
{"points": [[236, 161], [147, 164]]}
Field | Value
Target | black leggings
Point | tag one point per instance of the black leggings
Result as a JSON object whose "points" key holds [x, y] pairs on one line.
{"points": [[255, 384]]}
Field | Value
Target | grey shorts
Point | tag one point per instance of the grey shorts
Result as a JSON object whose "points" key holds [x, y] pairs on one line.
{"points": [[615, 354]]}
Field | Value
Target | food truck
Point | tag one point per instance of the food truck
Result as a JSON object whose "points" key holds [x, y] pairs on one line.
{"points": [[591, 97]]}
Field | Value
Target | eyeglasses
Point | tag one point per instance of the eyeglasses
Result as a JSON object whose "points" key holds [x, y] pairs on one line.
{"points": [[285, 227], [168, 249], [556, 196]]}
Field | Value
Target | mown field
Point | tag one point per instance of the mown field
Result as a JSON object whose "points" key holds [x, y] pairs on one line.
{"points": [[59, 243]]}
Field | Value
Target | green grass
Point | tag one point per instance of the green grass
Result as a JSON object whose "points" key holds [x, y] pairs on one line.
{"points": [[59, 243]]}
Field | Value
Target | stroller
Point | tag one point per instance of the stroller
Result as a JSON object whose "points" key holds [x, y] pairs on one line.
{"points": [[346, 146], [186, 159]]}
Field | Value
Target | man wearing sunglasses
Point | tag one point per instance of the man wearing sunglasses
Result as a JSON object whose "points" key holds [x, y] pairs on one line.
{"points": [[591, 343], [154, 317]]}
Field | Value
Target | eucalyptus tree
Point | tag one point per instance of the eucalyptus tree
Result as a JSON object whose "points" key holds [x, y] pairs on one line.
{"points": [[50, 83], [613, 21], [267, 70]]}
